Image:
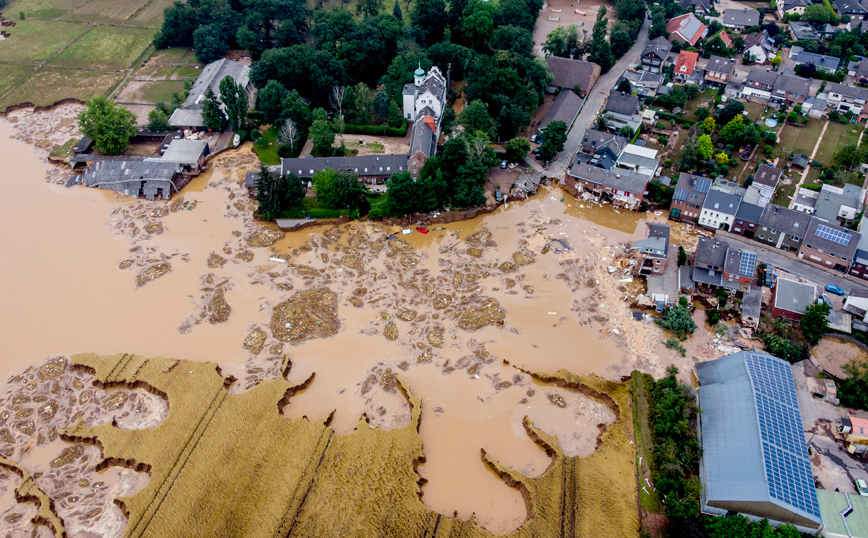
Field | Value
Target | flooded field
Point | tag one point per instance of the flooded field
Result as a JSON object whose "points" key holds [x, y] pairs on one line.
{"points": [[460, 316], [834, 353]]}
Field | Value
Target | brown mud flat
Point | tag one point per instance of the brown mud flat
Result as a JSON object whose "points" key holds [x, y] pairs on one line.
{"points": [[311, 482]]}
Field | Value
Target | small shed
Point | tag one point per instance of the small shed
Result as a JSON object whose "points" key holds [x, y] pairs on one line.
{"points": [[191, 154]]}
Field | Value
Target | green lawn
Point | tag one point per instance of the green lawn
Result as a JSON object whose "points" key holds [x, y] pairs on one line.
{"points": [[106, 47], [161, 90], [39, 9], [36, 41], [640, 386], [268, 153], [784, 192], [837, 135], [187, 72], [105, 11], [174, 55], [156, 71], [799, 140], [12, 74], [701, 99], [49, 84], [150, 15]]}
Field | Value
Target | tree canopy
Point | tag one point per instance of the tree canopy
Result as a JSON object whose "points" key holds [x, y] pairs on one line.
{"points": [[109, 126], [815, 322]]}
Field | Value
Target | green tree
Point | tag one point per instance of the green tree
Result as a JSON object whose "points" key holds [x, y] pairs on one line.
{"points": [[323, 137], [705, 148], [602, 122], [517, 149], [337, 190], [816, 13], [782, 347], [558, 42], [722, 158], [429, 17], [475, 117], [658, 25], [271, 192], [402, 195], [701, 113], [625, 86], [689, 154], [369, 8], [212, 114], [269, 100], [210, 43], [234, 100], [396, 11], [730, 111], [601, 50], [708, 124], [555, 136], [158, 120], [853, 389], [394, 116], [677, 319], [682, 256], [294, 108], [109, 126], [731, 132], [815, 322], [626, 131], [478, 22], [776, 61], [295, 192], [850, 156]]}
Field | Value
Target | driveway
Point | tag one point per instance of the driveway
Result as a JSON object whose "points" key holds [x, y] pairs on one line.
{"points": [[667, 283], [792, 264]]}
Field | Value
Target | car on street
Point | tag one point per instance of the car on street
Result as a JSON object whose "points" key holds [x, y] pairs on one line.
{"points": [[861, 487], [504, 164], [834, 289]]}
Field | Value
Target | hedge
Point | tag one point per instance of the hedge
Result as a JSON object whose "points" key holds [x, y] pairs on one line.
{"points": [[683, 121], [313, 213], [379, 130], [812, 187]]}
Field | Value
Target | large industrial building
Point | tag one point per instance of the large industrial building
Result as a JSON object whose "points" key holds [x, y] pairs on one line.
{"points": [[754, 454]]}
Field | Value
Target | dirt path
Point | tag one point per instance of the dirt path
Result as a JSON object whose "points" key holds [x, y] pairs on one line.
{"points": [[808, 168]]}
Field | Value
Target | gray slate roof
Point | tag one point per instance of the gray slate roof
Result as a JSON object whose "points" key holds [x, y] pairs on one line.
{"points": [[719, 64], [787, 5], [365, 165], [190, 113], [423, 138], [704, 4], [749, 212], [622, 103], [753, 445], [183, 151], [616, 178], [820, 61], [752, 301], [600, 140], [659, 47], [788, 221], [802, 31], [722, 202], [706, 276], [853, 92], [656, 240], [768, 176], [832, 198], [740, 17], [794, 296], [817, 239], [565, 108], [568, 73], [711, 252], [107, 174], [849, 7], [691, 188]]}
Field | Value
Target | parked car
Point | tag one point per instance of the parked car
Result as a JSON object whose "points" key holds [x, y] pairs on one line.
{"points": [[834, 289], [861, 487], [503, 164], [533, 138], [536, 151]]}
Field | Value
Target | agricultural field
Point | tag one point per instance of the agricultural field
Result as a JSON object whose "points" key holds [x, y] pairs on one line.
{"points": [[49, 84], [37, 41], [103, 11], [41, 9], [12, 74], [277, 475], [150, 15], [151, 92], [106, 47]]}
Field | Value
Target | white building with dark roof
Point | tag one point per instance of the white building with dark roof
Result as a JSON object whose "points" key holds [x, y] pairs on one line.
{"points": [[424, 101], [719, 209]]}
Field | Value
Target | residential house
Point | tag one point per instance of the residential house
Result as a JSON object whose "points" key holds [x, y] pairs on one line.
{"points": [[622, 103], [616, 121], [700, 7], [600, 149], [848, 97], [655, 54], [782, 228], [806, 200], [858, 68], [839, 204], [251, 183], [719, 209], [790, 7], [762, 189], [855, 430], [653, 250], [739, 269], [852, 8], [372, 169], [427, 91], [751, 307], [747, 219], [645, 83], [565, 108], [763, 85], [572, 75], [623, 188], [800, 161], [815, 106], [189, 114], [641, 160], [190, 154], [689, 195], [804, 31], [684, 66], [151, 179], [709, 260], [726, 38], [686, 28], [856, 303], [740, 19], [829, 245], [424, 133], [718, 70], [791, 298], [759, 46], [822, 62], [860, 259]]}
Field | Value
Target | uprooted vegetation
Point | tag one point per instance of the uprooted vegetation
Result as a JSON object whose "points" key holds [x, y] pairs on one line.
{"points": [[231, 463]]}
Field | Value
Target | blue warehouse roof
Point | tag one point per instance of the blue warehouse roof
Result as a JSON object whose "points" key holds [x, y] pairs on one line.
{"points": [[754, 451]]}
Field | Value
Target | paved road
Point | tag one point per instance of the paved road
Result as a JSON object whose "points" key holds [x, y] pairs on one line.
{"points": [[594, 101], [792, 264]]}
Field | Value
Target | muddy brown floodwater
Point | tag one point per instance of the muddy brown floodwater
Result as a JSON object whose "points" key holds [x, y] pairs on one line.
{"points": [[459, 314]]}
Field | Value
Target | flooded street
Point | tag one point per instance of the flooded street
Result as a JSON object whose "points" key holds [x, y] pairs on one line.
{"points": [[461, 315]]}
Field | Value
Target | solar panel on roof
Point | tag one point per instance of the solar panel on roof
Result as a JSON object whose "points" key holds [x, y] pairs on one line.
{"points": [[785, 453], [747, 267], [833, 235]]}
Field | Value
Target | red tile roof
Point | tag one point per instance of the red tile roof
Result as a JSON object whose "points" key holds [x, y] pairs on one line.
{"points": [[686, 62], [726, 39]]}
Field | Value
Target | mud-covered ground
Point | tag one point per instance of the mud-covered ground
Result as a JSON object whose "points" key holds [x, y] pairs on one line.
{"points": [[459, 314]]}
